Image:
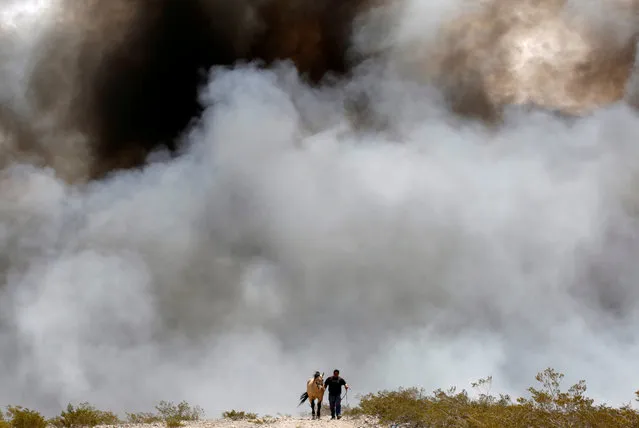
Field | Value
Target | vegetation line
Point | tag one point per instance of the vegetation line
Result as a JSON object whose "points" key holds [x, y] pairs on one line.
{"points": [[547, 406]]}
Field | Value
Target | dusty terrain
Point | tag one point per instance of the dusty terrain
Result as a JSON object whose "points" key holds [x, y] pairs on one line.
{"points": [[276, 422]]}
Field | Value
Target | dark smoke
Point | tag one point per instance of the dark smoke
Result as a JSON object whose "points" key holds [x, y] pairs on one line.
{"points": [[132, 70], [200, 197]]}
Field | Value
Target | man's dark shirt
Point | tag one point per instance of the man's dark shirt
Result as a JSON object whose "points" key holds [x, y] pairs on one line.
{"points": [[334, 384]]}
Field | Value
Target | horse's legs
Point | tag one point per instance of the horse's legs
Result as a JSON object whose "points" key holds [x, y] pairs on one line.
{"points": [[313, 408], [319, 407]]}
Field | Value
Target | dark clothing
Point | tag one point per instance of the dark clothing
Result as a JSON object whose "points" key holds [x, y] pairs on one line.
{"points": [[335, 403], [334, 384]]}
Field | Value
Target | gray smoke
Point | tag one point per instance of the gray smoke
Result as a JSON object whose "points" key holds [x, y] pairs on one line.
{"points": [[425, 250]]}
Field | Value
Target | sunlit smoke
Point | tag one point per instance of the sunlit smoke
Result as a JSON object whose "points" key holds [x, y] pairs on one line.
{"points": [[399, 240]]}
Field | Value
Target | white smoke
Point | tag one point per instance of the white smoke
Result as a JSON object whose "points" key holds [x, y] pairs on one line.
{"points": [[430, 253]]}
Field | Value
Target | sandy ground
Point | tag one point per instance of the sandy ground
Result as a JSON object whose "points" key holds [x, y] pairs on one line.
{"points": [[276, 422]]}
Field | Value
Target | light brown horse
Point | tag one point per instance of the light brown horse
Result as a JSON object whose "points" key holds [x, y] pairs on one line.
{"points": [[314, 391]]}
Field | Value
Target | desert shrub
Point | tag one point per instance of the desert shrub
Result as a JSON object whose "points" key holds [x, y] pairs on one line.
{"points": [[21, 417], [173, 422], [142, 418], [174, 414], [548, 405], [84, 415], [411, 406], [241, 415], [181, 411]]}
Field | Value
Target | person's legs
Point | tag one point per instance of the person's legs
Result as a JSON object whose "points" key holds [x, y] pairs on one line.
{"points": [[338, 406], [331, 403]]}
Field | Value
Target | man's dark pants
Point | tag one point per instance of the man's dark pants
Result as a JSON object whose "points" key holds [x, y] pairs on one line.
{"points": [[335, 402]]}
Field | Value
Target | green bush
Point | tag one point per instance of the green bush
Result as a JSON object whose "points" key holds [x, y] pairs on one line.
{"points": [[84, 415], [24, 418]]}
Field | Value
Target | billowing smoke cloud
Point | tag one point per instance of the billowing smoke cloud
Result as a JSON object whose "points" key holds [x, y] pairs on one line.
{"points": [[398, 239]]}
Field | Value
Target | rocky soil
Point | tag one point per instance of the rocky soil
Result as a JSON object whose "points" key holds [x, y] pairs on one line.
{"points": [[276, 422]]}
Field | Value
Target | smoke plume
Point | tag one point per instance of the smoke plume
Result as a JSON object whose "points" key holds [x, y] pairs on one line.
{"points": [[209, 200]]}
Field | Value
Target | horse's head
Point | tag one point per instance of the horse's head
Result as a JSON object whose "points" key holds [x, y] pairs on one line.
{"points": [[318, 379]]}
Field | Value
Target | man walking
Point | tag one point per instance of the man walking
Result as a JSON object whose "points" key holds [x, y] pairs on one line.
{"points": [[334, 386]]}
